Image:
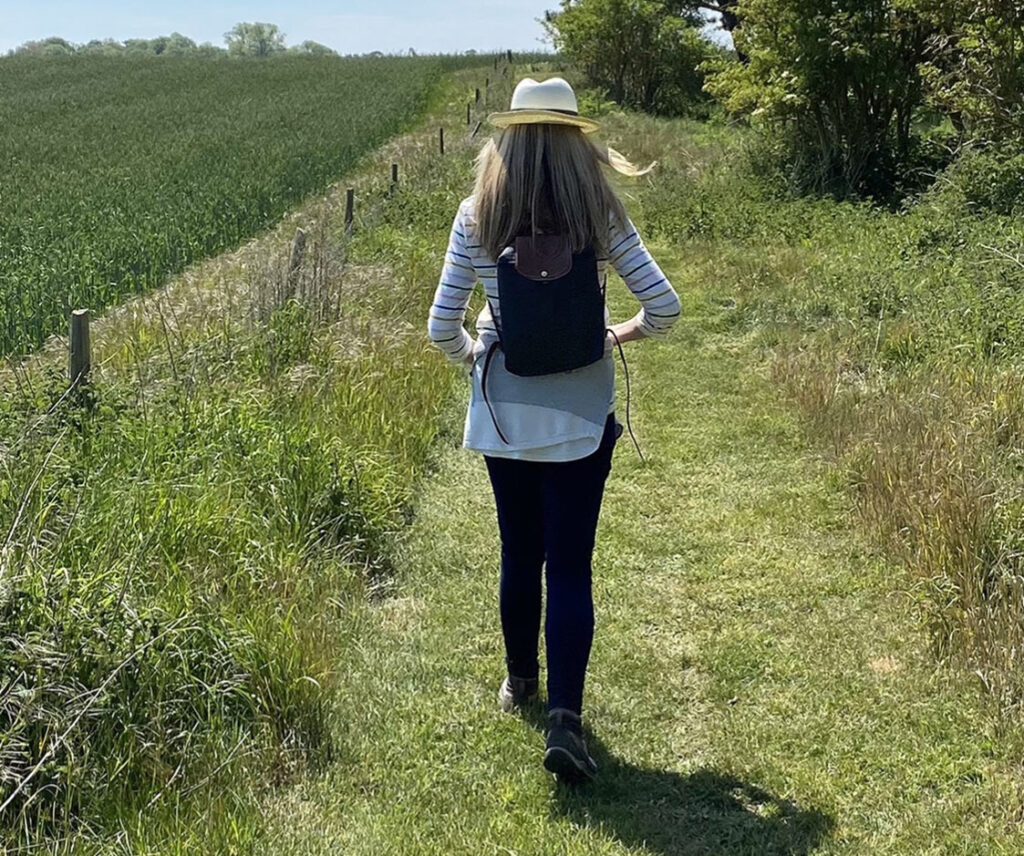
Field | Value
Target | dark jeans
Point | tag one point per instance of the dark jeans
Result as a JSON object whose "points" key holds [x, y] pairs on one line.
{"points": [[547, 511]]}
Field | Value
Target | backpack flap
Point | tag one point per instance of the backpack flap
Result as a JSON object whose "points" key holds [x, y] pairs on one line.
{"points": [[543, 257], [552, 307]]}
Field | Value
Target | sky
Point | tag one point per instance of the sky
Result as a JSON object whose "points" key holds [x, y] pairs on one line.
{"points": [[348, 26]]}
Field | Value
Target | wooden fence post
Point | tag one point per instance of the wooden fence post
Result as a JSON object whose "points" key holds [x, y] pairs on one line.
{"points": [[440, 135], [350, 204], [81, 356], [478, 96], [467, 113], [509, 55], [394, 176]]}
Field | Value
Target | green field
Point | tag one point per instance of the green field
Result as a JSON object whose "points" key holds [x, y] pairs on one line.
{"points": [[120, 171]]}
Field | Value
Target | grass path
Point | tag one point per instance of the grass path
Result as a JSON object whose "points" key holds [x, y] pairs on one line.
{"points": [[755, 686]]}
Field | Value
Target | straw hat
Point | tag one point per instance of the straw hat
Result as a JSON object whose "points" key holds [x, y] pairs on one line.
{"points": [[552, 102]]}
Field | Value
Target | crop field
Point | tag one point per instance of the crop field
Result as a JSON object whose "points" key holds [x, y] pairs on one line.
{"points": [[118, 172]]}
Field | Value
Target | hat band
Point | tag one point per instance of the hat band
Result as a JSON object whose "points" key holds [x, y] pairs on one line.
{"points": [[545, 109]]}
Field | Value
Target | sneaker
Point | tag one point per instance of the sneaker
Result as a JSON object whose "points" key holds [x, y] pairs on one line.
{"points": [[566, 753], [517, 692]]}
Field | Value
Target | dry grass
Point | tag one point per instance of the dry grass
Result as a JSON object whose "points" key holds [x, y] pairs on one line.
{"points": [[934, 460]]}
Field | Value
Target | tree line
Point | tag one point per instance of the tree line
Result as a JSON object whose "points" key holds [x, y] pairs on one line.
{"points": [[244, 39], [856, 96]]}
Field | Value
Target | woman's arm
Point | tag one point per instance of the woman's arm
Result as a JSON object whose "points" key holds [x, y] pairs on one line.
{"points": [[659, 303], [448, 312], [627, 331]]}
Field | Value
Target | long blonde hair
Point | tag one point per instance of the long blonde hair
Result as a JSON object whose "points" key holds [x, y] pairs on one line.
{"points": [[535, 176]]}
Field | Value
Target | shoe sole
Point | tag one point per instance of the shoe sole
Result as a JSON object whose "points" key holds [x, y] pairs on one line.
{"points": [[564, 764]]}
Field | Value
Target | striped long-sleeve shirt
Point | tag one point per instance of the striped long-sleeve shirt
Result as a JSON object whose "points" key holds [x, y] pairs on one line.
{"points": [[550, 417]]}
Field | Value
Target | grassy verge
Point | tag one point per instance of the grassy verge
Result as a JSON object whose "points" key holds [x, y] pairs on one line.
{"points": [[898, 337]]}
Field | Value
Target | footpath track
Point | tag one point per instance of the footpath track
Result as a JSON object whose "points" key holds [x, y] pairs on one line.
{"points": [[758, 684]]}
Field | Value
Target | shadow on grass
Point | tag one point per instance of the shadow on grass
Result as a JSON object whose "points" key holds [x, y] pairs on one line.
{"points": [[703, 813]]}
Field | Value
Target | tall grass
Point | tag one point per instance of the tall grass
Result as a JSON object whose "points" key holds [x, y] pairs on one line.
{"points": [[900, 336], [182, 536]]}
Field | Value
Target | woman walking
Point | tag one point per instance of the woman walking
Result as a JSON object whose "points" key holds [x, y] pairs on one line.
{"points": [[538, 232]]}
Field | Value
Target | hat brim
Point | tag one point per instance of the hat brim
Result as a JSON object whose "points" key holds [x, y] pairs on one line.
{"points": [[546, 117]]}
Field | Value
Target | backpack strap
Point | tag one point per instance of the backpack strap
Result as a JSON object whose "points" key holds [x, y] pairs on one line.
{"points": [[483, 389], [625, 369]]}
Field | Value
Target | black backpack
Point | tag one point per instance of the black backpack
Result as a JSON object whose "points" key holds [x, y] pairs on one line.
{"points": [[552, 306]]}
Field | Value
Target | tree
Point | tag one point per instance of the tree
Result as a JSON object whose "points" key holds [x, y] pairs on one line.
{"points": [[137, 46], [974, 69], [102, 47], [208, 49], [643, 53], [178, 45], [53, 46], [254, 39], [313, 48], [838, 83], [173, 45]]}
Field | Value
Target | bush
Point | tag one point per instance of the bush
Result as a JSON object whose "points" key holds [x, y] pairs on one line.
{"points": [[836, 85], [643, 53], [988, 180]]}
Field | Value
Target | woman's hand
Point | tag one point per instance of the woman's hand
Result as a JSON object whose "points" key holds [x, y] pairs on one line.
{"points": [[475, 351], [626, 331]]}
